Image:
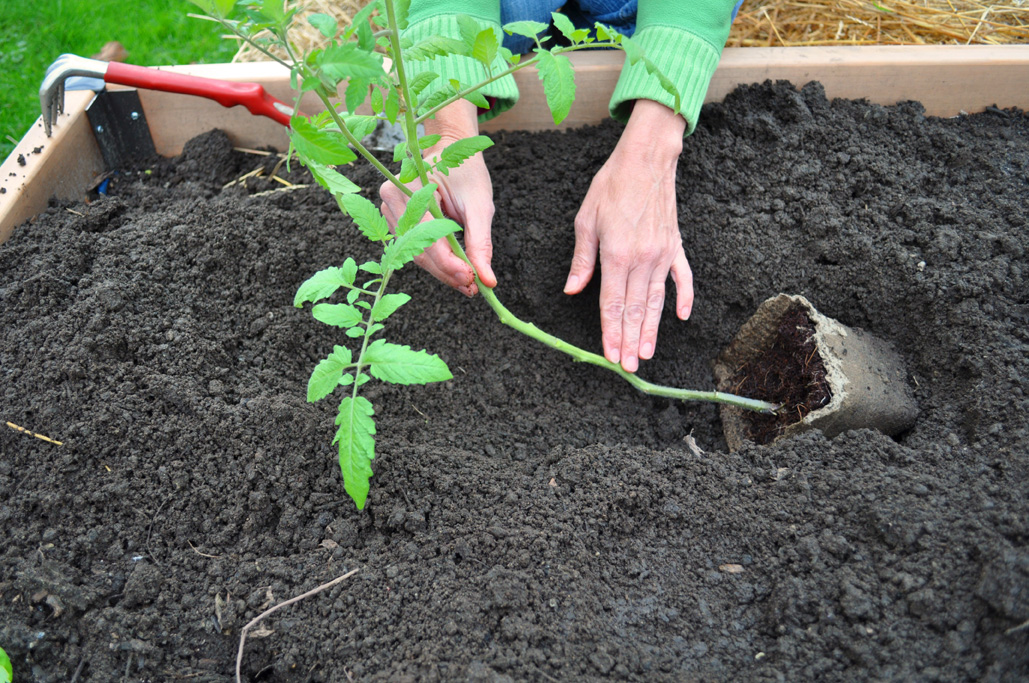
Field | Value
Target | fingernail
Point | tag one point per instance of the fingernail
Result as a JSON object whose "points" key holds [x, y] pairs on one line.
{"points": [[631, 364], [613, 355], [647, 350], [572, 285], [684, 314]]}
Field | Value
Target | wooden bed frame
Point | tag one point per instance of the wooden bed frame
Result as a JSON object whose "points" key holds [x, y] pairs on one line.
{"points": [[947, 80]]}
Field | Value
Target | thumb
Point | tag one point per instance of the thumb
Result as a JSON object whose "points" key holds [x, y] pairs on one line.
{"points": [[584, 259]]}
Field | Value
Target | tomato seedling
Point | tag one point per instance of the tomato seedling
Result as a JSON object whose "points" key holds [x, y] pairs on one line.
{"points": [[353, 62]]}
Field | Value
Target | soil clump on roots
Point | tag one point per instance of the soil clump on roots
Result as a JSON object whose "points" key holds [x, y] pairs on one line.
{"points": [[532, 519]]}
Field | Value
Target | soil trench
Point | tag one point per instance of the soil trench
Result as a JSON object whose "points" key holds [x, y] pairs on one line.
{"points": [[531, 519]]}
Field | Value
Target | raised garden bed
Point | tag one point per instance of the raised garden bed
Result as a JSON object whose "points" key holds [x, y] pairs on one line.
{"points": [[531, 519]]}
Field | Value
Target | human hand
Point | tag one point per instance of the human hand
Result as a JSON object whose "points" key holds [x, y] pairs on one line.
{"points": [[629, 216], [465, 195]]}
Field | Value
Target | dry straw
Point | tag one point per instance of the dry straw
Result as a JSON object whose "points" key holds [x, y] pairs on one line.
{"points": [[801, 22], [795, 23]]}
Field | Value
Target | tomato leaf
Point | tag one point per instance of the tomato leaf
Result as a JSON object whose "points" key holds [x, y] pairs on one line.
{"points": [[400, 365], [356, 439]]}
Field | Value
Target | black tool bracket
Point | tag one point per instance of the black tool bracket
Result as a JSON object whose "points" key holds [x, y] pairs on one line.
{"points": [[120, 128]]}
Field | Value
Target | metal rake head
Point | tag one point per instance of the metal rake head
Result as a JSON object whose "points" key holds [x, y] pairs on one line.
{"points": [[51, 92]]}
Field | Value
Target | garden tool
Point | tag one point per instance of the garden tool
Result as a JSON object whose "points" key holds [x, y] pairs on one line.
{"points": [[226, 93]]}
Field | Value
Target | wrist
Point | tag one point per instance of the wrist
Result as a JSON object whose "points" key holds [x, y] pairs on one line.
{"points": [[456, 121], [657, 129]]}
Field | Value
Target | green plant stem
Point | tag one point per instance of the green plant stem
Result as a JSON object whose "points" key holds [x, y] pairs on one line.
{"points": [[361, 149], [581, 355], [411, 125], [368, 333]]}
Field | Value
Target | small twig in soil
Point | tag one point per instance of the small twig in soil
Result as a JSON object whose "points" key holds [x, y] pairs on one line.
{"points": [[30, 433], [77, 213], [287, 603], [1015, 629], [150, 531], [279, 189], [213, 557], [78, 670], [259, 152]]}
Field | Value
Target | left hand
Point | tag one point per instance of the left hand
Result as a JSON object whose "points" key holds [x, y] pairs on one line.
{"points": [[629, 216]]}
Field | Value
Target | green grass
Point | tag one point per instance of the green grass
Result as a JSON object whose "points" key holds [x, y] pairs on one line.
{"points": [[34, 34]]}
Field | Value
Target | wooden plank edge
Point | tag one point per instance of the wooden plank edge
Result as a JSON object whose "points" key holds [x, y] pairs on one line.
{"points": [[39, 168], [947, 80]]}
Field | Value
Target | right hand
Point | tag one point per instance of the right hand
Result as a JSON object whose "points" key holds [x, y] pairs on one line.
{"points": [[465, 195]]}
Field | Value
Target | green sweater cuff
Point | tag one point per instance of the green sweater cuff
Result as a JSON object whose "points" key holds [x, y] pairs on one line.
{"points": [[464, 69], [686, 59]]}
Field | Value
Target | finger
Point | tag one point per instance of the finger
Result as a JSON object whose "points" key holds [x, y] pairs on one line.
{"points": [[584, 259], [612, 305], [652, 317], [683, 277], [633, 315], [479, 243], [443, 265]]}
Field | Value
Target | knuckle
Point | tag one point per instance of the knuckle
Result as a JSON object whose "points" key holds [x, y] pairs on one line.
{"points": [[656, 300], [634, 314], [612, 310]]}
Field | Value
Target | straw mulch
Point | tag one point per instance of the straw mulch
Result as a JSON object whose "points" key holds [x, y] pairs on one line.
{"points": [[305, 37], [886, 22], [804, 22]]}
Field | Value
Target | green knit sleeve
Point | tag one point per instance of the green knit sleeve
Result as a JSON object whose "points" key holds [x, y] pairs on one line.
{"points": [[439, 18], [685, 41]]}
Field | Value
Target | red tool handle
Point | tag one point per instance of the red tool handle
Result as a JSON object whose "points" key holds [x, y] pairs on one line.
{"points": [[226, 93]]}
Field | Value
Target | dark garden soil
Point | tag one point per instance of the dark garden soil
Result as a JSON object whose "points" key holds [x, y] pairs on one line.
{"points": [[532, 519]]}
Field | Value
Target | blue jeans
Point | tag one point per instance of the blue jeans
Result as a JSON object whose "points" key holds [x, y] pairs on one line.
{"points": [[618, 14]]}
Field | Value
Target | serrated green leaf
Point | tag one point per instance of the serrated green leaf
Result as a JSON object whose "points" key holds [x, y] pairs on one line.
{"points": [[354, 332], [325, 24], [416, 207], [324, 283], [363, 379], [346, 380], [361, 126], [387, 306], [356, 439], [564, 25], [404, 248], [401, 9], [421, 81], [401, 365], [436, 98], [327, 374], [392, 105], [558, 84], [603, 32], [478, 99], [348, 60], [484, 50], [408, 171], [326, 147], [633, 52], [435, 46], [216, 8], [427, 141], [331, 179], [529, 29], [357, 93], [369, 219], [364, 304], [371, 267], [337, 315], [581, 35], [470, 29], [352, 295], [6, 670], [666, 83], [400, 151], [457, 152], [376, 101]]}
